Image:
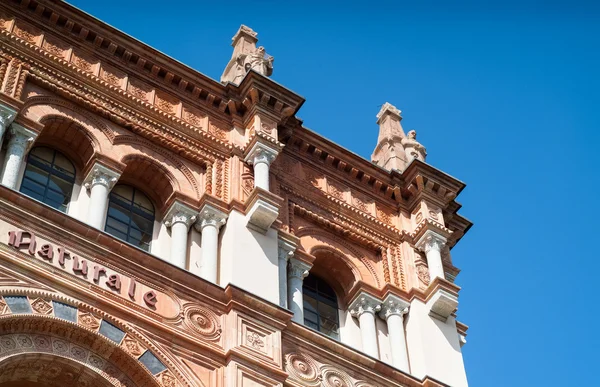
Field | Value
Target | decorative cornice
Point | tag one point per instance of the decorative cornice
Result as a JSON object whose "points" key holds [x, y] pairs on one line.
{"points": [[210, 216], [286, 249], [260, 152], [393, 305], [364, 303], [7, 115], [180, 213], [390, 109], [21, 137], [431, 240], [100, 174], [298, 269]]}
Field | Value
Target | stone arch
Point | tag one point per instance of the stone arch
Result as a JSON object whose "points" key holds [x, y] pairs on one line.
{"points": [[146, 147], [332, 252], [39, 368], [154, 179], [85, 333], [336, 269], [68, 137], [37, 108], [60, 340]]}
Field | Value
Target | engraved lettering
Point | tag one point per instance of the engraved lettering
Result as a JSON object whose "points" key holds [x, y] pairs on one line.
{"points": [[80, 267], [46, 252], [114, 282], [62, 255], [150, 299], [132, 289], [98, 271], [16, 239]]}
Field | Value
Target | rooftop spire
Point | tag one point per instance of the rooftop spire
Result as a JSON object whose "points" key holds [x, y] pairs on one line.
{"points": [[246, 56], [395, 150]]}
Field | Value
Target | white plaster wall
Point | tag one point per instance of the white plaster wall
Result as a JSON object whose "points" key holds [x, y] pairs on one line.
{"points": [[433, 347], [194, 251], [161, 241], [385, 351], [350, 330], [249, 258]]}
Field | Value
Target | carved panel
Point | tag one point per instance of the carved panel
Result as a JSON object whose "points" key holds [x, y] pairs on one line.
{"points": [[112, 76], [194, 117], [259, 340], [41, 306], [203, 322], [336, 190], [166, 103], [384, 216], [360, 202], [6, 21], [139, 89], [306, 371], [312, 177], [88, 320], [55, 47], [132, 346], [84, 62], [28, 33], [217, 131]]}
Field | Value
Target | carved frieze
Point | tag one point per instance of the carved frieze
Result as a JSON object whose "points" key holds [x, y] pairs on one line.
{"points": [[41, 306], [112, 76], [55, 47], [28, 33], [166, 103], [84, 62], [139, 89]]}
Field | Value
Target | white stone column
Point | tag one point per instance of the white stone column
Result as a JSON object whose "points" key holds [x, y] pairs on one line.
{"points": [[99, 182], [364, 308], [392, 311], [18, 145], [432, 244], [285, 253], [297, 271], [7, 115], [179, 218], [209, 222], [261, 156]]}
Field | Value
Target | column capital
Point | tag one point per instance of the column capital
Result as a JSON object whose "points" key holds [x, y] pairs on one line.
{"points": [[431, 240], [261, 153], [21, 137], [7, 116], [286, 249], [100, 174], [364, 303], [298, 269], [180, 213], [393, 305], [210, 216]]}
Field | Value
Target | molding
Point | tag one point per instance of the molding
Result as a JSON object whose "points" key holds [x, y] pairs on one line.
{"points": [[364, 303]]}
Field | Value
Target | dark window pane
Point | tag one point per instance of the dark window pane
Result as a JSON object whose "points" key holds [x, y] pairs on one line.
{"points": [[130, 216], [18, 304], [111, 332], [320, 307], [152, 363], [46, 181], [64, 311]]}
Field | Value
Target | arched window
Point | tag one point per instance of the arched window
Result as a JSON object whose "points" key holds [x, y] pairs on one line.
{"points": [[320, 307], [130, 216], [49, 177]]}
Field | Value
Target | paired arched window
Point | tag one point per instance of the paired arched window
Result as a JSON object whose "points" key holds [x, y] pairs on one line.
{"points": [[49, 177], [130, 216], [320, 307]]}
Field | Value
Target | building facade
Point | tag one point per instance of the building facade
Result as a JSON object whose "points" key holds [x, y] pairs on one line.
{"points": [[160, 228]]}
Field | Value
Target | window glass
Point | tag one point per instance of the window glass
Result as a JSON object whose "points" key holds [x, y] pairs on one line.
{"points": [[49, 177], [130, 216], [320, 307]]}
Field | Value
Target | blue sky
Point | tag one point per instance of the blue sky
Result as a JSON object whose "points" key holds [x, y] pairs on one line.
{"points": [[504, 98]]}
